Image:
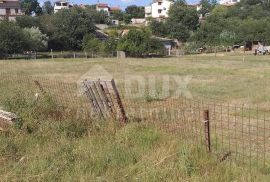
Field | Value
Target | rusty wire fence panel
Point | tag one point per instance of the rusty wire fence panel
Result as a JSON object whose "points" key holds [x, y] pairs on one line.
{"points": [[243, 133], [236, 133]]}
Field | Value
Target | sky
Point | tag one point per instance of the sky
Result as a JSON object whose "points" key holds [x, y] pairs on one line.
{"points": [[120, 3]]}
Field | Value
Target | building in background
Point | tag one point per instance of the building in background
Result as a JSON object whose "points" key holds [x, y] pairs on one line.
{"points": [[159, 9], [103, 7], [62, 4], [138, 21], [106, 8], [10, 9], [228, 2]]}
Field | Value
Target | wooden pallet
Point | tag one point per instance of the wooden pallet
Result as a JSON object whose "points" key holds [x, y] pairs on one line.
{"points": [[104, 99]]}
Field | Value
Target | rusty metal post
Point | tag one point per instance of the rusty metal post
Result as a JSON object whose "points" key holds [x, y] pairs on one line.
{"points": [[207, 131]]}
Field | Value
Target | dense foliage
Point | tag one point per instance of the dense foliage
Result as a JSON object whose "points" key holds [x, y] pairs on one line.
{"points": [[135, 11], [182, 20], [70, 26], [12, 39], [76, 28], [247, 21], [138, 43]]}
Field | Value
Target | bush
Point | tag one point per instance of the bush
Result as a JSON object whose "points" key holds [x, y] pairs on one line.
{"points": [[32, 111], [37, 40], [70, 27], [12, 39], [138, 43], [92, 44]]}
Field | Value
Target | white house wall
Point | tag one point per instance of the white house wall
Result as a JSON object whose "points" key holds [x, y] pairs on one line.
{"points": [[12, 12], [229, 2], [164, 8], [2, 11]]}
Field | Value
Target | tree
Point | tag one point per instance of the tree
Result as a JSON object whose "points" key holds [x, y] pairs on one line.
{"points": [[135, 11], [12, 39], [47, 8], [110, 45], [182, 20], [154, 46], [138, 43], [91, 44], [158, 28], [99, 17], [36, 40], [227, 38], [27, 21], [127, 18], [134, 43], [30, 7], [185, 15], [117, 15], [178, 31], [70, 27], [207, 6]]}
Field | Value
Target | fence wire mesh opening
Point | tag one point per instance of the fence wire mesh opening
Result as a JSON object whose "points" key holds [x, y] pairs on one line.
{"points": [[235, 131]]}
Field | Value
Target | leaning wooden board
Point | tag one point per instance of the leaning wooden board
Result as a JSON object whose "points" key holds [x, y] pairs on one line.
{"points": [[104, 99]]}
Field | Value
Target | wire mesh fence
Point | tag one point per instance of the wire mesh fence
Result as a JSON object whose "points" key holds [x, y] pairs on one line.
{"points": [[234, 133]]}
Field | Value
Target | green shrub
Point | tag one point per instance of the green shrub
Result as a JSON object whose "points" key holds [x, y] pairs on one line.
{"points": [[138, 43]]}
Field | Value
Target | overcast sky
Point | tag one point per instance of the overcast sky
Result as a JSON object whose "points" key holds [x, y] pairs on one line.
{"points": [[120, 3]]}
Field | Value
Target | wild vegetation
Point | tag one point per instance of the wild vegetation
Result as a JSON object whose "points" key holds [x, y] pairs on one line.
{"points": [[49, 144], [218, 26], [60, 31]]}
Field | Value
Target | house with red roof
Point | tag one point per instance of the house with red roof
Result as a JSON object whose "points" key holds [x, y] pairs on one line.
{"points": [[10, 9], [106, 8]]}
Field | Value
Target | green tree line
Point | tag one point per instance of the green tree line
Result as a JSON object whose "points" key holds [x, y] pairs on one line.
{"points": [[72, 29], [220, 25]]}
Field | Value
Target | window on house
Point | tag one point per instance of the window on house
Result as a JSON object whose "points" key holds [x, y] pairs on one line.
{"points": [[159, 3], [8, 12], [58, 4], [159, 11], [16, 10], [64, 4]]}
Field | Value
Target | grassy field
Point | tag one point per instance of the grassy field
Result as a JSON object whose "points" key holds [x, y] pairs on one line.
{"points": [[236, 79], [49, 148]]}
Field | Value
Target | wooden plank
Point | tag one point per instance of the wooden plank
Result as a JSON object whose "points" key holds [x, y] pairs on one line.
{"points": [[123, 117], [90, 98], [92, 95], [98, 99], [104, 98], [109, 96]]}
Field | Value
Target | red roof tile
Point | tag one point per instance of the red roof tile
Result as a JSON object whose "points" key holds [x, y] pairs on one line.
{"points": [[102, 5]]}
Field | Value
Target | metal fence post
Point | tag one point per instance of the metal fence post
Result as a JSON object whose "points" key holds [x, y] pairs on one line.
{"points": [[207, 131]]}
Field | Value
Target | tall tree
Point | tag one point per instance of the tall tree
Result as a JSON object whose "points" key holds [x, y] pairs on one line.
{"points": [[182, 20], [12, 39], [37, 40], [207, 6], [30, 7], [47, 7], [138, 43], [135, 11], [26, 21], [70, 26]]}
